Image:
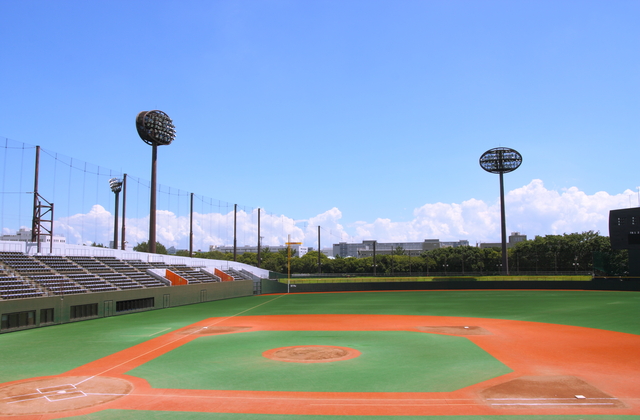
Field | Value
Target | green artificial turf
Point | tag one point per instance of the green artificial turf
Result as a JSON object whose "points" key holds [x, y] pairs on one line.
{"points": [[390, 361]]}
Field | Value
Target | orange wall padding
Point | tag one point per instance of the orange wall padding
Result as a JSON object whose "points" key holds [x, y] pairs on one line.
{"points": [[175, 279], [223, 276]]}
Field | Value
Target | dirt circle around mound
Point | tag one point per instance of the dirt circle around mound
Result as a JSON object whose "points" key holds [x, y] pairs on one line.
{"points": [[53, 395], [311, 354]]}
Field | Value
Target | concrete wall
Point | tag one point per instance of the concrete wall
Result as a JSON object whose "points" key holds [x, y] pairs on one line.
{"points": [[164, 297]]}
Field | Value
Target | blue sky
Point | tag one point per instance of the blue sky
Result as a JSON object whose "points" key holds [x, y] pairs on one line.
{"points": [[365, 117]]}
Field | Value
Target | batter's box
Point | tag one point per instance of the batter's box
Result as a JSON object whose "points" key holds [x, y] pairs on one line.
{"points": [[63, 395], [65, 387], [59, 394], [548, 391], [20, 398]]}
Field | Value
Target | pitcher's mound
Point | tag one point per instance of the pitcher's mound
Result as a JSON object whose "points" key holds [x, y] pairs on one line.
{"points": [[311, 354], [548, 391], [63, 393]]}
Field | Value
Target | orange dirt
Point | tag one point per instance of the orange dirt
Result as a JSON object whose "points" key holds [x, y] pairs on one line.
{"points": [[311, 354], [60, 393], [548, 392], [556, 360], [459, 330]]}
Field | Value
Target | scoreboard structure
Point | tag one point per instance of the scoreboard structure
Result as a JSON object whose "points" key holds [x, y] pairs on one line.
{"points": [[624, 233]]}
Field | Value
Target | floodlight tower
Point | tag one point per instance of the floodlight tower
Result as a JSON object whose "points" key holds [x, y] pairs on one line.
{"points": [[500, 161], [156, 129], [116, 187]]}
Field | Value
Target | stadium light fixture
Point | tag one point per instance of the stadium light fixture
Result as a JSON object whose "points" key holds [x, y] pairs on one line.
{"points": [[116, 187], [156, 129], [501, 160]]}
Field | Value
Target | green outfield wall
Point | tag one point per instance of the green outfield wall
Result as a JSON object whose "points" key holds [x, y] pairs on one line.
{"points": [[445, 283]]}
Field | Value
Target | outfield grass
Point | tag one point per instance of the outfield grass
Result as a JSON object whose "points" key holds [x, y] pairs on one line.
{"points": [[395, 361]]}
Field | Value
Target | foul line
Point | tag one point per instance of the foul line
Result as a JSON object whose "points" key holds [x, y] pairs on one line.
{"points": [[177, 339], [559, 403]]}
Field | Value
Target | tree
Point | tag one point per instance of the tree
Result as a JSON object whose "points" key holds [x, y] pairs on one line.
{"points": [[308, 263], [398, 251], [144, 247], [248, 258], [572, 252]]}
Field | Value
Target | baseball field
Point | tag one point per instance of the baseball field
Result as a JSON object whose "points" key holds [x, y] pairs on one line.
{"points": [[460, 355]]}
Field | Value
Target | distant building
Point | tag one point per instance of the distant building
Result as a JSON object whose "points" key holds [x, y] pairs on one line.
{"points": [[328, 252], [365, 249], [298, 248], [24, 235], [514, 238]]}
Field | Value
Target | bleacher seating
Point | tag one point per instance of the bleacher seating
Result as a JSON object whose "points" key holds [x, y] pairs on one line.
{"points": [[12, 287], [191, 274], [139, 264], [235, 274], [38, 278], [134, 273], [118, 273], [91, 264], [92, 282], [59, 264], [25, 276]]}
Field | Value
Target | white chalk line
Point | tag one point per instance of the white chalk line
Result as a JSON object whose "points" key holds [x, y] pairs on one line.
{"points": [[558, 403], [178, 339], [566, 401], [546, 399]]}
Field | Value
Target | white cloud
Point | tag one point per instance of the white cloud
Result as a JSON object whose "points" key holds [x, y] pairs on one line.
{"points": [[531, 209]]}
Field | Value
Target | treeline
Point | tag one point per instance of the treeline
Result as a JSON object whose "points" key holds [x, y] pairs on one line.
{"points": [[586, 252]]}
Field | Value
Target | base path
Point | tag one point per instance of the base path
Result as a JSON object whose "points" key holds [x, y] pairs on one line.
{"points": [[557, 369]]}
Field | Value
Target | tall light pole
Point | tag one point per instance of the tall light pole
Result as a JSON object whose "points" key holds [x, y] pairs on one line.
{"points": [[500, 161], [156, 129], [123, 242], [116, 187], [259, 238]]}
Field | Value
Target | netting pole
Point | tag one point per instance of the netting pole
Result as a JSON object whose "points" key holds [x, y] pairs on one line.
{"points": [[235, 240], [191, 227], [34, 222], [259, 237]]}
